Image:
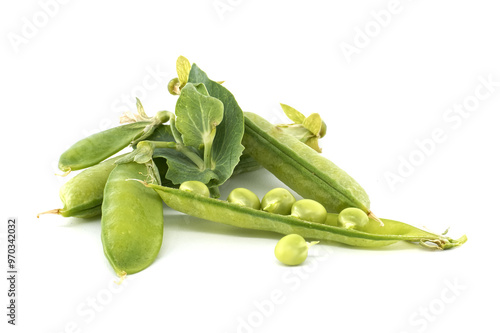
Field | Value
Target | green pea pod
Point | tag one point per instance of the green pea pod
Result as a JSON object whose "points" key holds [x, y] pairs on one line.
{"points": [[82, 195], [99, 146], [244, 217], [302, 168], [132, 220]]}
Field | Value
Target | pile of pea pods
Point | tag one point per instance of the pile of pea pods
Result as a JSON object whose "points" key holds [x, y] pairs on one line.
{"points": [[181, 158]]}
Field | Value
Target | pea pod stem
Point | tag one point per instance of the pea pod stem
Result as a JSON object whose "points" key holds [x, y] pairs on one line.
{"points": [[243, 217], [145, 150]]}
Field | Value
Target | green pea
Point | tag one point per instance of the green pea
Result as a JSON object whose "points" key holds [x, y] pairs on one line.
{"points": [[292, 249], [244, 197], [278, 201], [352, 218], [309, 210], [332, 219], [195, 186], [132, 220]]}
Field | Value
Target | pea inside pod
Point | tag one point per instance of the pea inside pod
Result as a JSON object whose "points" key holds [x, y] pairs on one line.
{"points": [[353, 218], [195, 186], [244, 197], [244, 217], [278, 201], [309, 210]]}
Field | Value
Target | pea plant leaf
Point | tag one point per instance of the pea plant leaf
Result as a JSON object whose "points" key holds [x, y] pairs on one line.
{"points": [[313, 123], [293, 114], [173, 165], [197, 116], [183, 67], [226, 147]]}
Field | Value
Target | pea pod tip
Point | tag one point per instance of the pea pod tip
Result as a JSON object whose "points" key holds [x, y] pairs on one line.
{"points": [[64, 174], [121, 275], [52, 211]]}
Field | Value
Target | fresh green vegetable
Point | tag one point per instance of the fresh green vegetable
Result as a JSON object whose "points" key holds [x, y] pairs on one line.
{"points": [[353, 218], [301, 168], [244, 197], [244, 217], [132, 220], [309, 210], [278, 201], [206, 135], [292, 249], [195, 186], [100, 146], [206, 141]]}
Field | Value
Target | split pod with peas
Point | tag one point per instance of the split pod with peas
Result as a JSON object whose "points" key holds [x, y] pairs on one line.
{"points": [[236, 215]]}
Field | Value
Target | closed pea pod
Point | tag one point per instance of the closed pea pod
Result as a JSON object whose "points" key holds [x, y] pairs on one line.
{"points": [[99, 146], [302, 168], [132, 220], [244, 217]]}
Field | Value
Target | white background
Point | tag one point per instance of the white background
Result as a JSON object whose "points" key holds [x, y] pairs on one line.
{"points": [[70, 77]]}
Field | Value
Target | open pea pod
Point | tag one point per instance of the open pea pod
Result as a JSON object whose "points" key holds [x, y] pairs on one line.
{"points": [[224, 212]]}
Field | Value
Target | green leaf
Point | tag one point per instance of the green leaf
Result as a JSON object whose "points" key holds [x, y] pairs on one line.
{"points": [[313, 123], [181, 169], [227, 147], [183, 67], [197, 116], [293, 114]]}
